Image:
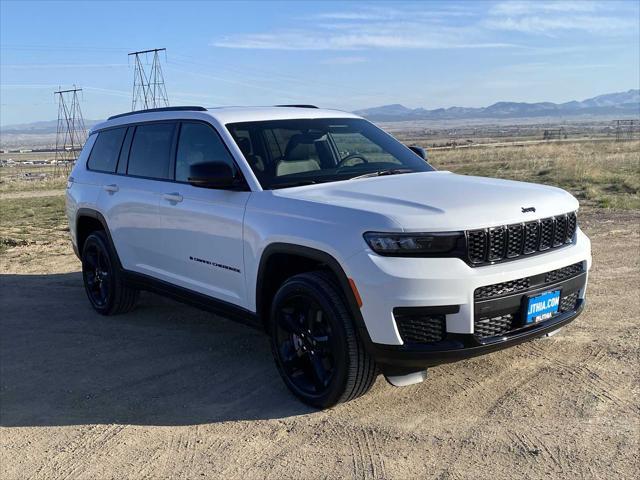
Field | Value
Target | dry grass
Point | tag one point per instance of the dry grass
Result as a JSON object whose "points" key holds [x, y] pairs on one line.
{"points": [[603, 174], [31, 221], [9, 185]]}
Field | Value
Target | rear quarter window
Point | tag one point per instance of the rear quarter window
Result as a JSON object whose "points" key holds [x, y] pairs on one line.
{"points": [[106, 150]]}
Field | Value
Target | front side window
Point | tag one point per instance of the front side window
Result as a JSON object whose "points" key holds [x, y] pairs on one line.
{"points": [[306, 151], [150, 154], [198, 143], [106, 149]]}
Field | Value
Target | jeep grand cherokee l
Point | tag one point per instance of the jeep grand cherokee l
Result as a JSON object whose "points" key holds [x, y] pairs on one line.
{"points": [[352, 252]]}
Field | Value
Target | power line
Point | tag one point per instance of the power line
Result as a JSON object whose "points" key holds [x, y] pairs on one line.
{"points": [[148, 87], [71, 133]]}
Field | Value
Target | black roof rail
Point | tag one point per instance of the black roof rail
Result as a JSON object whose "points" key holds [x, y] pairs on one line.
{"points": [[162, 109], [297, 106]]}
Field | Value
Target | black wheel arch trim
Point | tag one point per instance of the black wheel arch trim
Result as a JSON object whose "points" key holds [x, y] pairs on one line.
{"points": [[321, 257], [95, 214]]}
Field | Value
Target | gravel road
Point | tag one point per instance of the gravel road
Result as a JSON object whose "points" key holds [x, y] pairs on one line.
{"points": [[170, 391]]}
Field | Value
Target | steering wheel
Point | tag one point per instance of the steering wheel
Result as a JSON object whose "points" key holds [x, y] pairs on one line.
{"points": [[351, 157]]}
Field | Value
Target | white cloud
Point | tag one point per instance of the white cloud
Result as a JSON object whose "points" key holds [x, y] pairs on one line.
{"points": [[365, 35], [344, 60], [551, 24], [549, 18], [530, 7], [315, 41], [432, 26]]}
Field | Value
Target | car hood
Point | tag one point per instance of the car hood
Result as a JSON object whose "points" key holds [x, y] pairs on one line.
{"points": [[440, 201]]}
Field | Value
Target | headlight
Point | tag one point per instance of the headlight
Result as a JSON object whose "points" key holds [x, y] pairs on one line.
{"points": [[443, 244]]}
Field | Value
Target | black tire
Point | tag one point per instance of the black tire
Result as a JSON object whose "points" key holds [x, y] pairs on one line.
{"points": [[103, 281], [345, 370]]}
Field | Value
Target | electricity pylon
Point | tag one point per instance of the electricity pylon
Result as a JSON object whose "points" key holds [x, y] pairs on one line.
{"points": [[148, 87], [71, 133]]}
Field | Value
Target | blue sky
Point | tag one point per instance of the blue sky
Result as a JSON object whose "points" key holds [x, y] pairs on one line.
{"points": [[346, 55]]}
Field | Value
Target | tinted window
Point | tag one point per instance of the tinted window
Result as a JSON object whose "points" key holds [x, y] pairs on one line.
{"points": [[104, 155], [304, 151], [124, 151], [199, 143], [151, 151]]}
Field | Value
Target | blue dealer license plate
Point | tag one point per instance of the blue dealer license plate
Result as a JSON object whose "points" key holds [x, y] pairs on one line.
{"points": [[541, 307]]}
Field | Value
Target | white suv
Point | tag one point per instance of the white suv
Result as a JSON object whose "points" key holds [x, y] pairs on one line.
{"points": [[346, 246]]}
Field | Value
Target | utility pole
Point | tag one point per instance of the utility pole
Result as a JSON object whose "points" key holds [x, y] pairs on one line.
{"points": [[71, 133], [148, 87]]}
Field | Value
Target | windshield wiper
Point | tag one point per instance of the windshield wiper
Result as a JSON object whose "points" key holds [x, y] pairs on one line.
{"points": [[299, 183], [381, 173]]}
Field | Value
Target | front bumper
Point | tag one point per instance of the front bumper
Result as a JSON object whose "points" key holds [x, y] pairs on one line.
{"points": [[447, 287], [388, 283], [398, 359]]}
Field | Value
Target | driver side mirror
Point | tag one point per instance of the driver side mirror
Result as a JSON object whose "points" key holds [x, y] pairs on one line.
{"points": [[212, 175], [421, 152]]}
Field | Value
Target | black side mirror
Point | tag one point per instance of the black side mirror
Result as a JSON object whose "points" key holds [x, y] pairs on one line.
{"points": [[212, 175], [421, 152]]}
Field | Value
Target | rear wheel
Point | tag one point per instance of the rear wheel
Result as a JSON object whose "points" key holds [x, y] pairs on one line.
{"points": [[315, 345], [103, 282]]}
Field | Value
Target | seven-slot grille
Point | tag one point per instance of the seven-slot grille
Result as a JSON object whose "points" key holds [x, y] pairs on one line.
{"points": [[508, 242]]}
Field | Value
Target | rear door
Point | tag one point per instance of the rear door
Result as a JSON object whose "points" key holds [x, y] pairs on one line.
{"points": [[201, 228], [130, 201]]}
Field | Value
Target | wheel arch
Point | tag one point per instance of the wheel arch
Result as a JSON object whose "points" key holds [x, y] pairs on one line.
{"points": [[270, 277], [89, 220]]}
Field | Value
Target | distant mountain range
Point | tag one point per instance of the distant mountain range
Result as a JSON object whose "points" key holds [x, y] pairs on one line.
{"points": [[40, 128], [622, 103]]}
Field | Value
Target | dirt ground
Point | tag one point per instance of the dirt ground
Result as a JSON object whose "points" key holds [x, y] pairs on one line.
{"points": [[170, 391]]}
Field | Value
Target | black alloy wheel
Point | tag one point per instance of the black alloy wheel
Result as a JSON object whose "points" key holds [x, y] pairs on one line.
{"points": [[97, 271], [317, 350], [106, 288], [306, 344]]}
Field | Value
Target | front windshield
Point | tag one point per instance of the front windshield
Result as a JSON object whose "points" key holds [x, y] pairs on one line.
{"points": [[286, 153]]}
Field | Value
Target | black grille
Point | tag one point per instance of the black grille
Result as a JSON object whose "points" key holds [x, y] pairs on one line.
{"points": [[572, 224], [514, 240], [509, 242], [563, 273], [531, 231], [420, 328], [522, 284], [569, 302], [477, 246], [560, 234], [497, 238], [546, 234], [499, 289], [490, 327]]}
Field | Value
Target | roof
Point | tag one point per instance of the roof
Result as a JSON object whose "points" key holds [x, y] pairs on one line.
{"points": [[226, 115], [247, 114]]}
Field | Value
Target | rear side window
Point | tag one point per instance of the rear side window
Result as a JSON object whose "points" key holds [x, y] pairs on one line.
{"points": [[105, 152], [199, 143], [150, 154]]}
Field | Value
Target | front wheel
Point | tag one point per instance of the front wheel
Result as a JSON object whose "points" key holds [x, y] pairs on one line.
{"points": [[314, 342], [107, 291]]}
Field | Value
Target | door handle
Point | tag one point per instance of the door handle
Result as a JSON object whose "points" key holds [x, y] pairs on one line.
{"points": [[172, 197], [113, 188]]}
